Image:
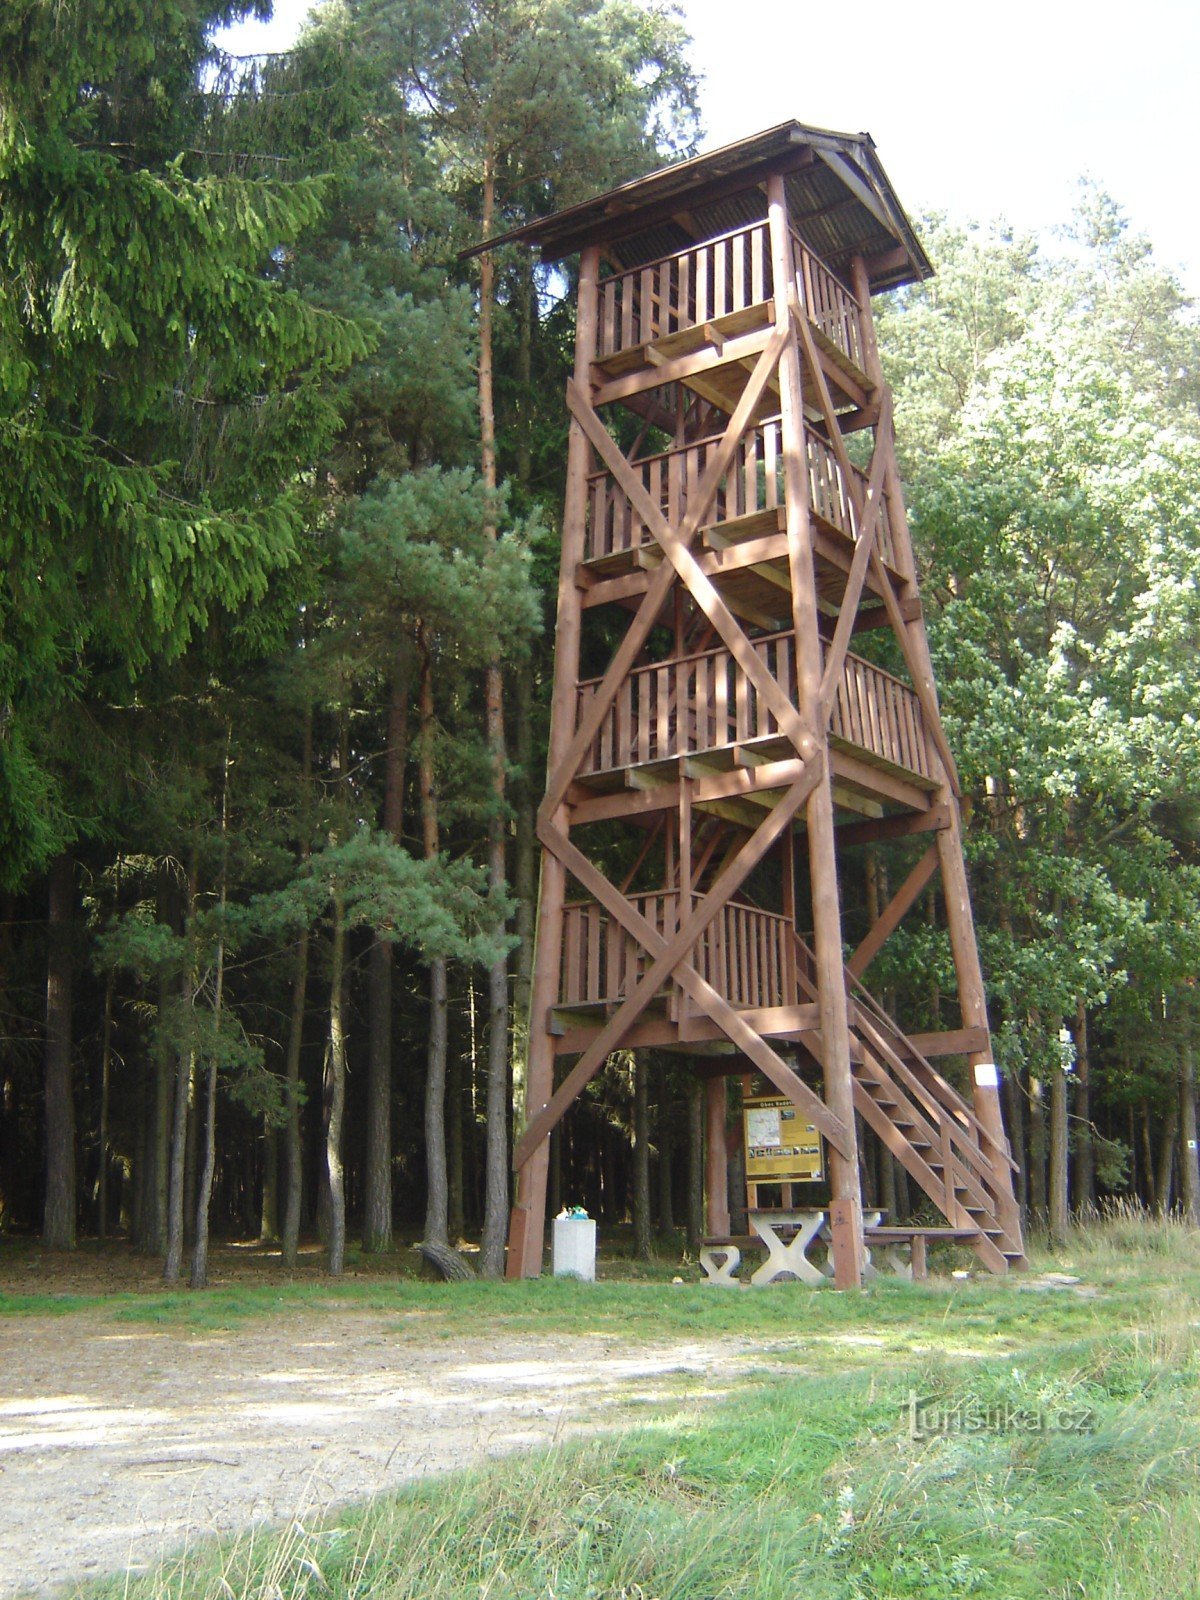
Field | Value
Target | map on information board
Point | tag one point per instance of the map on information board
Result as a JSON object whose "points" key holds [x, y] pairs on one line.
{"points": [[781, 1147]]}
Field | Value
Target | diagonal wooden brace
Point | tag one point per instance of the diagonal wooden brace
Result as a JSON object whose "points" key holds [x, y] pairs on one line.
{"points": [[868, 525], [668, 959], [893, 913], [656, 593], [921, 686], [698, 584]]}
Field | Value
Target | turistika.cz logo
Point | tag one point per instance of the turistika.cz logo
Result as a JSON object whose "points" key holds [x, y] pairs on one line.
{"points": [[928, 1419]]}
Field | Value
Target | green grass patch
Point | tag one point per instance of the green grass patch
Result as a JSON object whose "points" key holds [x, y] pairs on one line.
{"points": [[796, 1487], [804, 1483]]}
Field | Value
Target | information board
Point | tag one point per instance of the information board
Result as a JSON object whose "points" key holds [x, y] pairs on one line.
{"points": [[781, 1147]]}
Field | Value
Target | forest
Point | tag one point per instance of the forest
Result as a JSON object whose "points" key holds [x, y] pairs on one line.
{"points": [[281, 477]]}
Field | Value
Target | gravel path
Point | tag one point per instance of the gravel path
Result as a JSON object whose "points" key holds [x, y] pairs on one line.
{"points": [[119, 1442]]}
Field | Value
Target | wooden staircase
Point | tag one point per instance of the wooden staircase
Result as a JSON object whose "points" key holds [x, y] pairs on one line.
{"points": [[928, 1127]]}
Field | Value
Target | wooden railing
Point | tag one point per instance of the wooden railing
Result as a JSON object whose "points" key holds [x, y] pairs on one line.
{"points": [[684, 290], [748, 955], [753, 483], [878, 713], [713, 280], [830, 305], [705, 702]]}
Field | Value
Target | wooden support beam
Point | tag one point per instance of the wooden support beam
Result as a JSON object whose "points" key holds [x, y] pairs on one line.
{"points": [[854, 833], [894, 912], [950, 1042], [656, 593], [667, 958]]}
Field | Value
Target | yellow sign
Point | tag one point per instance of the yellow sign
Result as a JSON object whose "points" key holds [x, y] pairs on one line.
{"points": [[780, 1146]]}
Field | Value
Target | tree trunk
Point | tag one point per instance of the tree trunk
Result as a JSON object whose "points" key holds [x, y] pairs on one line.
{"points": [[1085, 1154], [1148, 1160], [1166, 1160], [204, 1196], [525, 884], [185, 1068], [1060, 1215], [1014, 1116], [106, 1054], [495, 1217], [1037, 1150], [525, 859], [1189, 1162], [377, 1205], [455, 1156], [166, 1067], [641, 1159], [695, 1165], [293, 1147], [58, 1227], [335, 1070], [437, 1190], [268, 1215], [377, 1175], [666, 1144]]}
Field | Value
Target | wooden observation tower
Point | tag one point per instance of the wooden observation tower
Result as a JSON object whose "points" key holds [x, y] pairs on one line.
{"points": [[723, 527]]}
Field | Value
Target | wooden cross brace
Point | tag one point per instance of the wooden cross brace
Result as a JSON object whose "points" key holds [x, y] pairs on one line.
{"points": [[670, 958]]}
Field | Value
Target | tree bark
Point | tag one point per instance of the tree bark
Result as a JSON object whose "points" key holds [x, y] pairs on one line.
{"points": [[294, 1197], [268, 1213], [666, 1143], [377, 1204], [695, 1165], [204, 1196], [641, 1159], [1060, 1215], [106, 1053], [1148, 1159], [1166, 1160], [58, 1225], [1085, 1153], [1189, 1159], [335, 1069], [437, 1186], [185, 1067], [1014, 1114], [294, 1194], [525, 885], [1037, 1150], [495, 1216], [455, 1155]]}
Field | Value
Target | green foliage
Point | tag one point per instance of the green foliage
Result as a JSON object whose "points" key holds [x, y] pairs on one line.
{"points": [[160, 388], [1053, 458]]}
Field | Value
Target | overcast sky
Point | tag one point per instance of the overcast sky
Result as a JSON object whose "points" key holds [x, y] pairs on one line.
{"points": [[978, 110]]}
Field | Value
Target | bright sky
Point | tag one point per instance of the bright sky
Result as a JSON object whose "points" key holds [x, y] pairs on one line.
{"points": [[981, 110]]}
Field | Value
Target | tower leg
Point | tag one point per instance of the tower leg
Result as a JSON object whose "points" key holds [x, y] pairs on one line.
{"points": [[527, 1225], [985, 1084], [845, 1218]]}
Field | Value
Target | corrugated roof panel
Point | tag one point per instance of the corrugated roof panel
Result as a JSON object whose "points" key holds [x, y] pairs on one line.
{"points": [[838, 194]]}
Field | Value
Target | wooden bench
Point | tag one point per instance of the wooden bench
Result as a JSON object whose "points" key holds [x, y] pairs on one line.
{"points": [[917, 1240]]}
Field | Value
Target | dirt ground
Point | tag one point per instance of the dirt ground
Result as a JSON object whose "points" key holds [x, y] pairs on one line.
{"points": [[120, 1442]]}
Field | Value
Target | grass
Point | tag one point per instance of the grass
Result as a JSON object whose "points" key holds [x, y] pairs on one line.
{"points": [[807, 1482]]}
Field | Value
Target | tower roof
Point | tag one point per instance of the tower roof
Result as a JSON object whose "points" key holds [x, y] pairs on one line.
{"points": [[838, 194]]}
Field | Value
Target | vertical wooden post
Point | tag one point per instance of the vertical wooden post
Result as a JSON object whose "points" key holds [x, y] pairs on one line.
{"points": [[527, 1227], [716, 1168], [985, 1087], [845, 1217]]}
